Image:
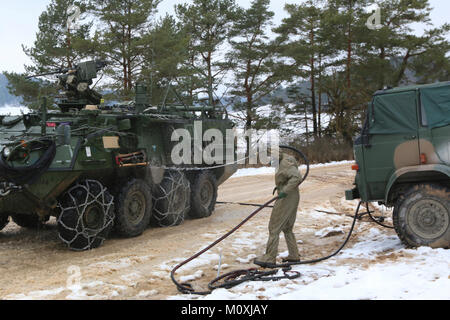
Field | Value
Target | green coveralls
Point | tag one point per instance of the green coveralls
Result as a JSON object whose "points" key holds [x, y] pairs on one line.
{"points": [[284, 214]]}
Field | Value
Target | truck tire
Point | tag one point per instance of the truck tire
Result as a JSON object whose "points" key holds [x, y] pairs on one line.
{"points": [[86, 216], [203, 195], [133, 208], [27, 221], [4, 220], [422, 217], [171, 200]]}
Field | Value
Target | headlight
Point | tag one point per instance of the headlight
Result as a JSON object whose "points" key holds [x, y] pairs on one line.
{"points": [[6, 152]]}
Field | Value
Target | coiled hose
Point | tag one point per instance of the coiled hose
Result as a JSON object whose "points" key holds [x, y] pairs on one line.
{"points": [[252, 273], [29, 174]]}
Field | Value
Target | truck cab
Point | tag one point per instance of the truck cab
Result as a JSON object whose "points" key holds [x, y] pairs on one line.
{"points": [[403, 161]]}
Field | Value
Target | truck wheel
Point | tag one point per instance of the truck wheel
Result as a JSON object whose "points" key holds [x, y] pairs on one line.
{"points": [[171, 200], [422, 217], [133, 209], [203, 195], [28, 221], [4, 220], [86, 216]]}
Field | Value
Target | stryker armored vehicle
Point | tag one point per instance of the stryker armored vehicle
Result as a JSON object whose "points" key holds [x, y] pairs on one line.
{"points": [[101, 169], [403, 161]]}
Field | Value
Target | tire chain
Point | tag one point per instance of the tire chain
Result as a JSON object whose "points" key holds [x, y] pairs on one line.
{"points": [[80, 230], [177, 183]]}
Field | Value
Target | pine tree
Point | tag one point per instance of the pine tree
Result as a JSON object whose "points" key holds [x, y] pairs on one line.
{"points": [[256, 71], [55, 48], [122, 26], [166, 61], [303, 42], [208, 22], [345, 27], [396, 47]]}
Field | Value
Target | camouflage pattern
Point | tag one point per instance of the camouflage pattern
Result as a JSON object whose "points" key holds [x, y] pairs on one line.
{"points": [[284, 214], [408, 167], [388, 162]]}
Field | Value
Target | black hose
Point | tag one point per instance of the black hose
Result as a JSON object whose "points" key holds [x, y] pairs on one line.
{"points": [[237, 277], [380, 223], [233, 279], [29, 174], [186, 288], [290, 264]]}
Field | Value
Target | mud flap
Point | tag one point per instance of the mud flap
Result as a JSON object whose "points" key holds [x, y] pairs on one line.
{"points": [[352, 194]]}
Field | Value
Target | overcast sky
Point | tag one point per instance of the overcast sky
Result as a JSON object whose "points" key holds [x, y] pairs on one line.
{"points": [[19, 21]]}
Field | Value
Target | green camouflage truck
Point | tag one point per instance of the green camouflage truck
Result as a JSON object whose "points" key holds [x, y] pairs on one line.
{"points": [[101, 168], [403, 161]]}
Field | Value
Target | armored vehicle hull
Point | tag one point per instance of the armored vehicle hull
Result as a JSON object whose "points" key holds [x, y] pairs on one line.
{"points": [[99, 170]]}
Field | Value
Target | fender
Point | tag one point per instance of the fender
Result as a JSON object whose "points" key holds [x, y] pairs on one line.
{"points": [[423, 168]]}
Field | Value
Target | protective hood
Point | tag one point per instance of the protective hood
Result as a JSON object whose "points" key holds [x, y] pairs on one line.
{"points": [[286, 162], [288, 176]]}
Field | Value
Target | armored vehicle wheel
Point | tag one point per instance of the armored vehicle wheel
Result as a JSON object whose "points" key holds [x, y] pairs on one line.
{"points": [[133, 208], [203, 195], [171, 200], [86, 216], [4, 220], [422, 217], [28, 221]]}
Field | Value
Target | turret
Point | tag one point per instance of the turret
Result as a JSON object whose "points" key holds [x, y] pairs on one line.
{"points": [[75, 85]]}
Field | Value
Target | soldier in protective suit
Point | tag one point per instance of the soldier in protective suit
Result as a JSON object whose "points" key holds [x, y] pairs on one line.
{"points": [[284, 215]]}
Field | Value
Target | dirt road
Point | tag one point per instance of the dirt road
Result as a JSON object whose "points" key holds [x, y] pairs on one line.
{"points": [[36, 265]]}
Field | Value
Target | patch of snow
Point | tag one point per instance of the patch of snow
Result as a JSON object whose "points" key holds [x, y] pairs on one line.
{"points": [[204, 260], [424, 274], [113, 265], [222, 267], [146, 294], [329, 232], [198, 275], [376, 267], [383, 270], [13, 110], [131, 278], [373, 244], [247, 172], [35, 295], [247, 260]]}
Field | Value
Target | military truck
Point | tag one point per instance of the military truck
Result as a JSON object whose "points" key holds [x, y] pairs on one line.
{"points": [[403, 161], [99, 168]]}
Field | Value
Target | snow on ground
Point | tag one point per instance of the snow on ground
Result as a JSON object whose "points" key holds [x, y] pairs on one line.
{"points": [[424, 274], [13, 110], [271, 170], [377, 267]]}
